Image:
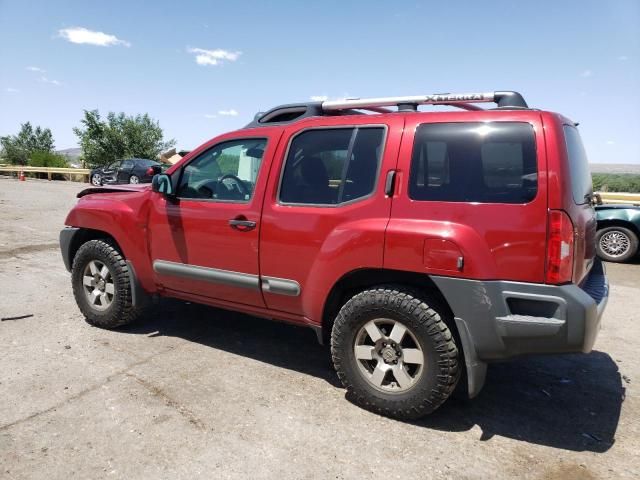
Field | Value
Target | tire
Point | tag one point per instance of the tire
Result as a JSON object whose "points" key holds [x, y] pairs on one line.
{"points": [[96, 179], [429, 384], [134, 179], [616, 244], [103, 310]]}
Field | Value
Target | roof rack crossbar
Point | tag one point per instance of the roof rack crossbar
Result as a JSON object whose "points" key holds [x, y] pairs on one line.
{"points": [[502, 99]]}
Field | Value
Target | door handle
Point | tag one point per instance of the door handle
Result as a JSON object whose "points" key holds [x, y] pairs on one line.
{"points": [[390, 183], [242, 224]]}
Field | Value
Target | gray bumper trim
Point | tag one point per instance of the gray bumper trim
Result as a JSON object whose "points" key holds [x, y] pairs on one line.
{"points": [[547, 318]]}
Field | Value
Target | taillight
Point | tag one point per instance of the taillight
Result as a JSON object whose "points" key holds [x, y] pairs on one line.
{"points": [[150, 171], [559, 248]]}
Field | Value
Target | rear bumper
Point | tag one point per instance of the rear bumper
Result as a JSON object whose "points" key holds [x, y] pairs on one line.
{"points": [[502, 319]]}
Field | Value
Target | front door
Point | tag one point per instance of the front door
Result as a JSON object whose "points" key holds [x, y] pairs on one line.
{"points": [[124, 172], [205, 241]]}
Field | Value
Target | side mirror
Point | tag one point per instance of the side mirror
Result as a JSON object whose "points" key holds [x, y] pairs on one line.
{"points": [[161, 183]]}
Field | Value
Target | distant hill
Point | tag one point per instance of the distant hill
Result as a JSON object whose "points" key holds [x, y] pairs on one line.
{"points": [[615, 168], [72, 154]]}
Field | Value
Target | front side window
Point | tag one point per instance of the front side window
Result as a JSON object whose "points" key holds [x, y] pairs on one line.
{"points": [[226, 172], [332, 166], [126, 165], [492, 162]]}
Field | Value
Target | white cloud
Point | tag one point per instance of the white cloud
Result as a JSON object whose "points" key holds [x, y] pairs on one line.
{"points": [[213, 57], [82, 35], [210, 115], [610, 142], [36, 69], [623, 58], [318, 98], [228, 113], [11, 90], [44, 79], [586, 74]]}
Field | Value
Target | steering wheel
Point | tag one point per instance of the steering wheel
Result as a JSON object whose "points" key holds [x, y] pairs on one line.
{"points": [[240, 186]]}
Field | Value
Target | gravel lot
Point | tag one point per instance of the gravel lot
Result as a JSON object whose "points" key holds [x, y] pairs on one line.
{"points": [[199, 392]]}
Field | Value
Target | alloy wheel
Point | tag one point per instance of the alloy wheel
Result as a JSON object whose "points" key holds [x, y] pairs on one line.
{"points": [[389, 355], [615, 243], [98, 285]]}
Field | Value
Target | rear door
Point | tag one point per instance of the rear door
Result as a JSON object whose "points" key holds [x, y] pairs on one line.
{"points": [[326, 208]]}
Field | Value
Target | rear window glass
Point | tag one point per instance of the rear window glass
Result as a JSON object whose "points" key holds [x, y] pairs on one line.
{"points": [[492, 162], [332, 166], [581, 185]]}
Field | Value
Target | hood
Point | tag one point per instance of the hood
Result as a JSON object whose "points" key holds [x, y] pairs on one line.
{"points": [[114, 189]]}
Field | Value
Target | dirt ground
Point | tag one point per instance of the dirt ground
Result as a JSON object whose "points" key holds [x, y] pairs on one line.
{"points": [[196, 392]]}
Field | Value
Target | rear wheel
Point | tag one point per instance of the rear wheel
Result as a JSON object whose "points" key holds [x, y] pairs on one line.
{"points": [[616, 244], [134, 179], [102, 286], [394, 353]]}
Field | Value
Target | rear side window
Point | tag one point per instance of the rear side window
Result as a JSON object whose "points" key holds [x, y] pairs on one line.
{"points": [[491, 162], [581, 185], [332, 166]]}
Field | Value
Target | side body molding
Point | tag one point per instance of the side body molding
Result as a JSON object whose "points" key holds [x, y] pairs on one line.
{"points": [[250, 281]]}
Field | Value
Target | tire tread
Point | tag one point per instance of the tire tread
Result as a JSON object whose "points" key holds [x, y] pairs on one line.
{"points": [[411, 304], [122, 312]]}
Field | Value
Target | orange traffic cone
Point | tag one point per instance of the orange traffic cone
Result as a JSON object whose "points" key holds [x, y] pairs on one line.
{"points": [[21, 177]]}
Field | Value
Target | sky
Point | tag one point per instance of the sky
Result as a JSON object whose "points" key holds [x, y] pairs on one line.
{"points": [[204, 68]]}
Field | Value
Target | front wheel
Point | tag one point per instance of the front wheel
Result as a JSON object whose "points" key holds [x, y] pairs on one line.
{"points": [[616, 244], [394, 353], [96, 179], [134, 179], [102, 286]]}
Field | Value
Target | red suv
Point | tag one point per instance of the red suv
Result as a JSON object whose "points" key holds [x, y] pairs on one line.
{"points": [[421, 244]]}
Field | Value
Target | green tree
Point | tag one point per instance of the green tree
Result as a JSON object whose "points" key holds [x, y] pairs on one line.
{"points": [[119, 136], [17, 149], [47, 159], [616, 182]]}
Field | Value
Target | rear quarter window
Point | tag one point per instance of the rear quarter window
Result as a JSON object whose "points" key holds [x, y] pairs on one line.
{"points": [[581, 184], [488, 162]]}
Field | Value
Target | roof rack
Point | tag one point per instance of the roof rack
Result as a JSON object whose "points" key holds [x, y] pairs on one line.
{"points": [[464, 100], [288, 113]]}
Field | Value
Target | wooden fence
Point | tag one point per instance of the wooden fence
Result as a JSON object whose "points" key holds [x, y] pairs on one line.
{"points": [[614, 197], [77, 172]]}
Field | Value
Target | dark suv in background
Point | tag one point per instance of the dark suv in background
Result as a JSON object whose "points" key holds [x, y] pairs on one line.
{"points": [[130, 170]]}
